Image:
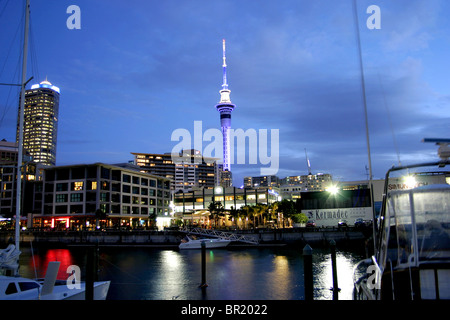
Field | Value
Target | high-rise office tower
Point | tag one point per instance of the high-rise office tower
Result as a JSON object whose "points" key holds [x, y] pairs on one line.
{"points": [[41, 122], [195, 171], [225, 107]]}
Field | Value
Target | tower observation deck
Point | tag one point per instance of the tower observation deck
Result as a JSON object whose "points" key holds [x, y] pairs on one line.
{"points": [[225, 107]]}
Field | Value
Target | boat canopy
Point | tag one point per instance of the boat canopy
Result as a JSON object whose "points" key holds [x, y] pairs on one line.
{"points": [[416, 226]]}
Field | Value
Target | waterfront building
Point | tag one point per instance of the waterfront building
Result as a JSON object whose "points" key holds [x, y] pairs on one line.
{"points": [[292, 186], [193, 207], [342, 200], [191, 170], [8, 177], [40, 125], [225, 108], [8, 168], [8, 153], [78, 196], [262, 181]]}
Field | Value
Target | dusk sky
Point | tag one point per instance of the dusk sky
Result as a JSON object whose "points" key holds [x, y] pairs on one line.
{"points": [[137, 70]]}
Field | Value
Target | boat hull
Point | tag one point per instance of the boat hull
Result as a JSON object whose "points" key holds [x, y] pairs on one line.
{"points": [[209, 244], [100, 292]]}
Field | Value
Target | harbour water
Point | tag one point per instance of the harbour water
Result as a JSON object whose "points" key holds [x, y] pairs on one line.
{"points": [[271, 273]]}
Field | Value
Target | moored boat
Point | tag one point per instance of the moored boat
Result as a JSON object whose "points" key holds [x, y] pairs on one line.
{"points": [[21, 288], [412, 254], [189, 242]]}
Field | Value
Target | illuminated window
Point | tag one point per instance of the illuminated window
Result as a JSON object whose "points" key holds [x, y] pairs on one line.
{"points": [[77, 185]]}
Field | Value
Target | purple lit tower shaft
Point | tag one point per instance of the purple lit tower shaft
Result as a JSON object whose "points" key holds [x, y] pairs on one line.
{"points": [[225, 107]]}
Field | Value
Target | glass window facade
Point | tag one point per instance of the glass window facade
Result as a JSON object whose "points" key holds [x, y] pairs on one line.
{"points": [[41, 109]]}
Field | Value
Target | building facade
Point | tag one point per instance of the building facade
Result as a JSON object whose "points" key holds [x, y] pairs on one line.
{"points": [[262, 181], [190, 170], [8, 177], [40, 126], [77, 196], [290, 187], [192, 207]]}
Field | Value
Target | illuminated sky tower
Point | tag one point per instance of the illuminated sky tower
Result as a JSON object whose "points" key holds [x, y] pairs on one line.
{"points": [[225, 107]]}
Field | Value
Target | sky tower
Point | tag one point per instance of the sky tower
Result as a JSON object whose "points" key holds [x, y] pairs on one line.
{"points": [[225, 107]]}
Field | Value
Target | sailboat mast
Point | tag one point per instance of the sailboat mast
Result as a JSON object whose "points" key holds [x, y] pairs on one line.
{"points": [[21, 120], [363, 87]]}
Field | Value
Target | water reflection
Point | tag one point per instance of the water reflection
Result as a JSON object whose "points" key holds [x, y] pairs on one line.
{"points": [[238, 274], [323, 281], [172, 279], [278, 278], [35, 263]]}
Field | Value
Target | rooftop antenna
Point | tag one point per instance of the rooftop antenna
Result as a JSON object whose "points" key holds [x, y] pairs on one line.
{"points": [[308, 163]]}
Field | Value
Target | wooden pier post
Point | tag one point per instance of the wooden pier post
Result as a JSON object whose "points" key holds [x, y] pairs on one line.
{"points": [[203, 283], [334, 269], [90, 274], [308, 272]]}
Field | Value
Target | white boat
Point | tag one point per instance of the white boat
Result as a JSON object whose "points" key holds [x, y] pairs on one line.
{"points": [[412, 253], [20, 288], [189, 242]]}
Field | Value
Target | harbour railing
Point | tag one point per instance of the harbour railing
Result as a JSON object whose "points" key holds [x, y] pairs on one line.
{"points": [[220, 234]]}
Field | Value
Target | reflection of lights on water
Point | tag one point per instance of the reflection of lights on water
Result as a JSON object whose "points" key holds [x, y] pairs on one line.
{"points": [[171, 259], [279, 278], [324, 277], [169, 282]]}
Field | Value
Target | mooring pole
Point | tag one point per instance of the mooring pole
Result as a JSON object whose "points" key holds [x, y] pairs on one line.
{"points": [[334, 268], [90, 274], [308, 272], [203, 284]]}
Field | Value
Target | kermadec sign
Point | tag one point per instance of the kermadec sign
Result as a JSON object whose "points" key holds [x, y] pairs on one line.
{"points": [[331, 217]]}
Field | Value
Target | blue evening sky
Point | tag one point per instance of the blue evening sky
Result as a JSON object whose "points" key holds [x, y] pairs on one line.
{"points": [[139, 69]]}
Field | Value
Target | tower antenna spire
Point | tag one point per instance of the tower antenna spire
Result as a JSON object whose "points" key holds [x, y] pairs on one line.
{"points": [[224, 65]]}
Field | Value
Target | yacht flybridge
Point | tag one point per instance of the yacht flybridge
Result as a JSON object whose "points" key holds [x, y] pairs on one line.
{"points": [[412, 254]]}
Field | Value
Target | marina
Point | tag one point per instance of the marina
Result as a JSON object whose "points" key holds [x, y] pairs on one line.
{"points": [[268, 273], [175, 226]]}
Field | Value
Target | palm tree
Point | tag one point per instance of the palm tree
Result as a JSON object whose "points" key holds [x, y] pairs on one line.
{"points": [[216, 211], [247, 212], [287, 208], [260, 211], [273, 209], [234, 215]]}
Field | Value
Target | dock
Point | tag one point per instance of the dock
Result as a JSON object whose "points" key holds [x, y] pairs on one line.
{"points": [[221, 234], [170, 238]]}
